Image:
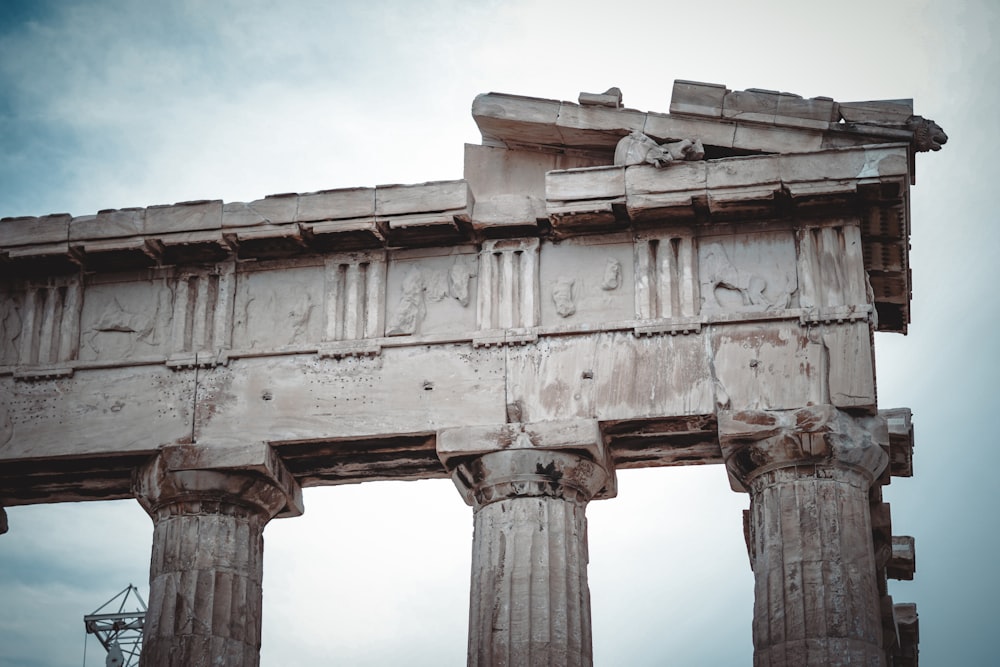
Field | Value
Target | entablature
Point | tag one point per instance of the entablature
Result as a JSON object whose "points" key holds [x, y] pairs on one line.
{"points": [[346, 328]]}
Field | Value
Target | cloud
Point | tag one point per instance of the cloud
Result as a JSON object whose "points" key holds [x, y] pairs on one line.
{"points": [[116, 103]]}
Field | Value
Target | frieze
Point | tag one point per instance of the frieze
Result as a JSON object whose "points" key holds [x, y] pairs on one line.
{"points": [[504, 291]]}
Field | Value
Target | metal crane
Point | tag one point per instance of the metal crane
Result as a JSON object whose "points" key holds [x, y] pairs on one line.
{"points": [[120, 632]]}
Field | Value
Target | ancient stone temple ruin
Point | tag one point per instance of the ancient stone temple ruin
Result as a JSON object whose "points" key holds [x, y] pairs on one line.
{"points": [[604, 289]]}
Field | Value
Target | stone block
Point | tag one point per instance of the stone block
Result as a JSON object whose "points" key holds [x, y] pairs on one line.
{"points": [[598, 128], [508, 210], [651, 192], [270, 242], [877, 111], [422, 229], [676, 177], [255, 457], [908, 631], [184, 217], [817, 112], [38, 260], [29, 230], [873, 166], [118, 254], [591, 198], [755, 105], [500, 171], [503, 117], [273, 209], [900, 441], [697, 98], [747, 171], [336, 204], [664, 128], [903, 562], [582, 435], [583, 184], [433, 197], [110, 223], [193, 247], [351, 234], [773, 139], [612, 98]]}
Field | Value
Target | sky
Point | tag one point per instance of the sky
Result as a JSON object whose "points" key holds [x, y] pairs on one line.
{"points": [[120, 103]]}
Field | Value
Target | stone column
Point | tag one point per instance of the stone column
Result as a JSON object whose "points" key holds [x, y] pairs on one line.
{"points": [[530, 601], [206, 566], [808, 472]]}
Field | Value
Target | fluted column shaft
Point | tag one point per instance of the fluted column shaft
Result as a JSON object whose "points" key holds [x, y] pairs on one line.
{"points": [[206, 567], [530, 601], [808, 472]]}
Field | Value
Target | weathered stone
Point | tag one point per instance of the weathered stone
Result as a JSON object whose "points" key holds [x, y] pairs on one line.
{"points": [[435, 197], [530, 601], [508, 210], [527, 330], [590, 128], [663, 127], [207, 561], [875, 111], [533, 120], [612, 97], [336, 204], [816, 113], [184, 217], [108, 224], [31, 231], [755, 105], [272, 210], [903, 562], [693, 97], [808, 472], [908, 629]]}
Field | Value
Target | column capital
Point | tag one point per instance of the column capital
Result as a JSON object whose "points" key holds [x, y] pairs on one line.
{"points": [[563, 459], [251, 476], [756, 442]]}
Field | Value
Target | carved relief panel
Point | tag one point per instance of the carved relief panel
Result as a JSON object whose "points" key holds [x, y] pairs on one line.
{"points": [[354, 304], [429, 291], [587, 280], [41, 324], [747, 273], [666, 284], [508, 284], [278, 305], [831, 267], [122, 321]]}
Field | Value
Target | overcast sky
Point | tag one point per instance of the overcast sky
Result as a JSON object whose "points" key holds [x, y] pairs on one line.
{"points": [[119, 103]]}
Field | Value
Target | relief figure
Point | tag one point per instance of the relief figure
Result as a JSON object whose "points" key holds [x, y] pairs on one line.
{"points": [[437, 288], [459, 276], [637, 148], [721, 274], [612, 274], [277, 316], [562, 296], [124, 330], [410, 309]]}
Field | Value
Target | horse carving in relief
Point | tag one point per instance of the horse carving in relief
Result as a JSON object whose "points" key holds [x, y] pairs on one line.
{"points": [[637, 148]]}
